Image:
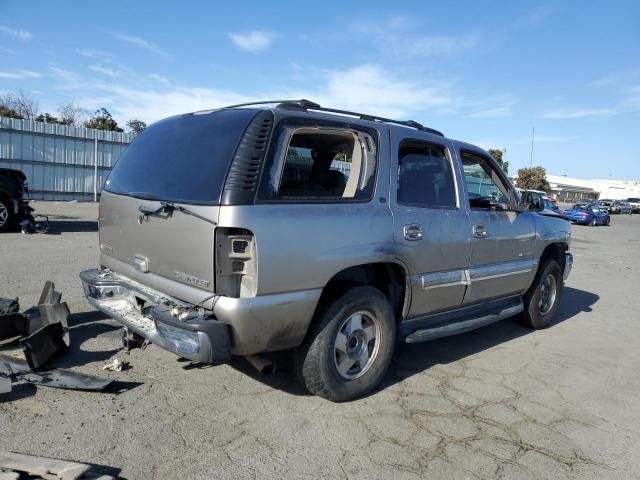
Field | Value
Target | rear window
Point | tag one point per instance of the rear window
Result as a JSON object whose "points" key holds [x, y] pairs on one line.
{"points": [[181, 159]]}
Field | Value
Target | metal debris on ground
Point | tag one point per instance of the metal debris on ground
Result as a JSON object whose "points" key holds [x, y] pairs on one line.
{"points": [[18, 369], [43, 332], [116, 365], [49, 468], [43, 329]]}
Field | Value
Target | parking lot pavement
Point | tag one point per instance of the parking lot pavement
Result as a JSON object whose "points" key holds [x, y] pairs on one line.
{"points": [[500, 402]]}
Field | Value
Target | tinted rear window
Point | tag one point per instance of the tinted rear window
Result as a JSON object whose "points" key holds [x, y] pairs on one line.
{"points": [[181, 159]]}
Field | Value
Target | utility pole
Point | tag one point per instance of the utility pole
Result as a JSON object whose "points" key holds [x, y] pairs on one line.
{"points": [[533, 133]]}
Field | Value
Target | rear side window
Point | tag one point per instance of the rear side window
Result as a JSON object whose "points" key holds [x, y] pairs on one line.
{"points": [[425, 176], [320, 164], [181, 159]]}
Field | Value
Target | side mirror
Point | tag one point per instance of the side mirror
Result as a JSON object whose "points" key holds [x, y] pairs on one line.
{"points": [[531, 202]]}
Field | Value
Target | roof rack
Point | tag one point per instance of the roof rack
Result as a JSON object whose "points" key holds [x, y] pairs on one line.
{"points": [[307, 105]]}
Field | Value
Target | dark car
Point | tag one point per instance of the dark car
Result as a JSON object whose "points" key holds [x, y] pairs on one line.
{"points": [[635, 204], [13, 186], [549, 205], [625, 207], [610, 206], [588, 214]]}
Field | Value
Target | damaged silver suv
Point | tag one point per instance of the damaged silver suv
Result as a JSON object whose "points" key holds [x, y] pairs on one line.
{"points": [[289, 226]]}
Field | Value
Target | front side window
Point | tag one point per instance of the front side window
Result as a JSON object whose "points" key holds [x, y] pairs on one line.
{"points": [[485, 187], [323, 164], [425, 176]]}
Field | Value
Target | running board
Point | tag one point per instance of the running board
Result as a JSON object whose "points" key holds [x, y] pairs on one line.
{"points": [[464, 324]]}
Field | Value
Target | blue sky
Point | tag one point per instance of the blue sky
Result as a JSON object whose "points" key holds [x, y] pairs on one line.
{"points": [[483, 72]]}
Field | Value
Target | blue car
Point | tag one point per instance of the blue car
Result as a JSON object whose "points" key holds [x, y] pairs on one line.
{"points": [[588, 214]]}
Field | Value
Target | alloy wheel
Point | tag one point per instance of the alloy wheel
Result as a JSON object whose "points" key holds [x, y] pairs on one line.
{"points": [[356, 344], [548, 293]]}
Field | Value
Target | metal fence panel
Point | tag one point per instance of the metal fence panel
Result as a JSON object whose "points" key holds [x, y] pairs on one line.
{"points": [[59, 160]]}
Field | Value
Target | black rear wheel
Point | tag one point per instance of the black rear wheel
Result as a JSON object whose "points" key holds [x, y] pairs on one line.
{"points": [[349, 345]]}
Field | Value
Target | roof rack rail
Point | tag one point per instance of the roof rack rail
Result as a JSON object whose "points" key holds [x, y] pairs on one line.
{"points": [[303, 104]]}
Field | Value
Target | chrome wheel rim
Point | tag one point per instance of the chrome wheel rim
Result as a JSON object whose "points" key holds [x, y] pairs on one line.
{"points": [[548, 292], [356, 345], [4, 214]]}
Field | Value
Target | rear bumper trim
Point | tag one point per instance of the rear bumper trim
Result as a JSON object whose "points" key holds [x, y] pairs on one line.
{"points": [[198, 338]]}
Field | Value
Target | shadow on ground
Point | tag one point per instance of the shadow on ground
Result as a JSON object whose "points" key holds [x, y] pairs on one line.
{"points": [[56, 227], [412, 359]]}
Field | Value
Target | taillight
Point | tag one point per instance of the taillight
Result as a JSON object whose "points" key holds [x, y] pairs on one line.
{"points": [[236, 263]]}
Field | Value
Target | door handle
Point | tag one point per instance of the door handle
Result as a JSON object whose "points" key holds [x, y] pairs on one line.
{"points": [[479, 231], [413, 231]]}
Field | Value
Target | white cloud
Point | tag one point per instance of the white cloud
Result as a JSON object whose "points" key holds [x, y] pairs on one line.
{"points": [[254, 41], [578, 113], [21, 34], [141, 43], [370, 89], [158, 78], [104, 70], [95, 54], [436, 45], [20, 75]]}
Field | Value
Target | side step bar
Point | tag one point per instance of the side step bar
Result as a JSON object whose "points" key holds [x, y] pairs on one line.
{"points": [[463, 324]]}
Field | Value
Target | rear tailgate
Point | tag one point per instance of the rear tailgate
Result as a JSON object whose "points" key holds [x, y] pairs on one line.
{"points": [[176, 246], [183, 160]]}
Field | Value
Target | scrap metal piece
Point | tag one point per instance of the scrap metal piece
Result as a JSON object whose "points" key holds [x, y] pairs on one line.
{"points": [[13, 325], [5, 385], [49, 468], [43, 344], [56, 378], [116, 365]]}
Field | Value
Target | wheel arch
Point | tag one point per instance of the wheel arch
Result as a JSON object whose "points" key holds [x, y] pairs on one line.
{"points": [[391, 278]]}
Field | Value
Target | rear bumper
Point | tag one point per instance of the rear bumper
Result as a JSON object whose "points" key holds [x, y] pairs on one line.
{"points": [[568, 265], [165, 322]]}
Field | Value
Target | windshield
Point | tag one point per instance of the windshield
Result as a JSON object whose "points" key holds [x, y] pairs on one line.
{"points": [[181, 159]]}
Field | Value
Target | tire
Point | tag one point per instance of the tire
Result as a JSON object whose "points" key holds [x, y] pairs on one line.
{"points": [[334, 342], [540, 308], [593, 222], [7, 216], [607, 222]]}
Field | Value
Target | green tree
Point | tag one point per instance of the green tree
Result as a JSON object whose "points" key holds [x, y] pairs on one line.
{"points": [[102, 120], [48, 118], [532, 179], [9, 112], [497, 154], [136, 126]]}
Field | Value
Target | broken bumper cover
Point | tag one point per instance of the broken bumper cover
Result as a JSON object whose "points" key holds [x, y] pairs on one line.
{"points": [[196, 337]]}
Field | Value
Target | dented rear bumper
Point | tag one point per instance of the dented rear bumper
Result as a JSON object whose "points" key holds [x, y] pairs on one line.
{"points": [[166, 322]]}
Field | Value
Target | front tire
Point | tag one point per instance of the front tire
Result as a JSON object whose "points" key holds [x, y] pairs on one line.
{"points": [[349, 346], [593, 222], [543, 297], [607, 222]]}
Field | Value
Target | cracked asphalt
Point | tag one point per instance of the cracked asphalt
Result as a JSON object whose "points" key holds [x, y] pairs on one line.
{"points": [[500, 402]]}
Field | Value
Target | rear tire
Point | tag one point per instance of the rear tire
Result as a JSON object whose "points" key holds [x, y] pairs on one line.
{"points": [[593, 222], [7, 217], [543, 297], [607, 222], [349, 346]]}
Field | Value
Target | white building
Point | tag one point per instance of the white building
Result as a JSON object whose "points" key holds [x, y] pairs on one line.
{"points": [[568, 189]]}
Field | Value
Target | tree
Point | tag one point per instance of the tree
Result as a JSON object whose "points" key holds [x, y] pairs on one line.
{"points": [[136, 126], [532, 179], [48, 118], [497, 154], [102, 120], [9, 112], [24, 105], [73, 115]]}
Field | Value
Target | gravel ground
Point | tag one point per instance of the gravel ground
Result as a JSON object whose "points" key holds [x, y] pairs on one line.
{"points": [[500, 402]]}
